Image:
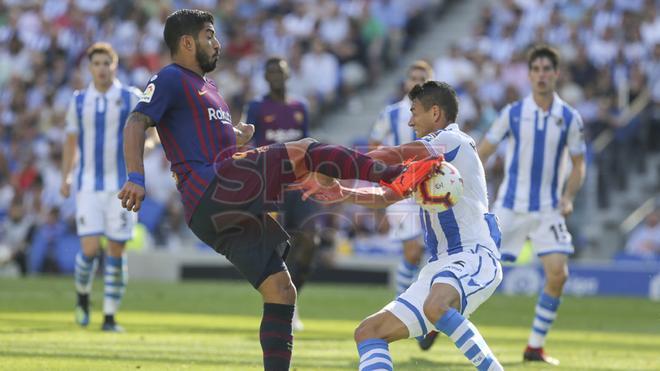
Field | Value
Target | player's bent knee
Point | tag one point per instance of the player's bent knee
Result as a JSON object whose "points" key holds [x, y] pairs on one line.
{"points": [[287, 293], [557, 278], [279, 289], [367, 329], [435, 308]]}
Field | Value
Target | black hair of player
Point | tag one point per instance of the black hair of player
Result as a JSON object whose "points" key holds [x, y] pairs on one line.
{"points": [[436, 93], [184, 22], [273, 60], [543, 51]]}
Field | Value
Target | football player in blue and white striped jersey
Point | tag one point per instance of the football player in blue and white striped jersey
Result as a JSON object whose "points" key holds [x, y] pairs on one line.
{"points": [[463, 269], [391, 129], [533, 202], [94, 126]]}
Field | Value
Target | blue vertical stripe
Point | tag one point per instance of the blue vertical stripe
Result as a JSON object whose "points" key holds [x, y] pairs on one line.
{"points": [[567, 116], [99, 142], [430, 239], [450, 228], [416, 312], [394, 127], [123, 116], [80, 98], [515, 113], [494, 229], [537, 162]]}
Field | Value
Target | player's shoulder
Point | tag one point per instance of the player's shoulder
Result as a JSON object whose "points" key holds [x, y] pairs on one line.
{"points": [[132, 90], [171, 70], [567, 111], [169, 73], [256, 101], [454, 133], [79, 92], [297, 102], [513, 106], [396, 107]]}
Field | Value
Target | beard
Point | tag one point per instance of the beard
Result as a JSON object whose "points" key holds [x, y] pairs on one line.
{"points": [[206, 63]]}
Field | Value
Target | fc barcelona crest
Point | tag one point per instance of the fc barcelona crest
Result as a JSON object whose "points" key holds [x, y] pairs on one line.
{"points": [[299, 117]]}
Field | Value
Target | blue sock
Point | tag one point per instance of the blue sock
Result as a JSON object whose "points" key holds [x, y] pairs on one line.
{"points": [[546, 312], [468, 340], [374, 355], [405, 276], [115, 279], [84, 272]]}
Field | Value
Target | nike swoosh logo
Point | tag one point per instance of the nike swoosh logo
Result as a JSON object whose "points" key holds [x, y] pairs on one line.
{"points": [[201, 92]]}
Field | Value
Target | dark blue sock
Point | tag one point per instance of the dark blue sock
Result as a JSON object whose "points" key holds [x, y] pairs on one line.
{"points": [[276, 336]]}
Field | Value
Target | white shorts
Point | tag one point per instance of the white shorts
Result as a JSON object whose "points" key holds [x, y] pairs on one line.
{"points": [[100, 213], [475, 274], [547, 231], [403, 218]]}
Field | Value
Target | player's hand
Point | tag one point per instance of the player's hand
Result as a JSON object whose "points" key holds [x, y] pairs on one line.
{"points": [[565, 206], [244, 133], [131, 196], [65, 188]]}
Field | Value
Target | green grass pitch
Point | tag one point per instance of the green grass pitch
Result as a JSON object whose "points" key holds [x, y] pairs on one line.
{"points": [[213, 326]]}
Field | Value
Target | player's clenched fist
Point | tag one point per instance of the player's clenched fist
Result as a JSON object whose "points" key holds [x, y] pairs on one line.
{"points": [[131, 196]]}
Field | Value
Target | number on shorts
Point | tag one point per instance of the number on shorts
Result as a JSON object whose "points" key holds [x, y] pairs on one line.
{"points": [[560, 232]]}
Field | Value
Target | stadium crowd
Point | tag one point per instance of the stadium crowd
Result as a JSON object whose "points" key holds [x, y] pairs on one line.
{"points": [[610, 73]]}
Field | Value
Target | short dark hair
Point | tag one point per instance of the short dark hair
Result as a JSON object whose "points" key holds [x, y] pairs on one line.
{"points": [[436, 93], [102, 48], [273, 60], [543, 51], [184, 22]]}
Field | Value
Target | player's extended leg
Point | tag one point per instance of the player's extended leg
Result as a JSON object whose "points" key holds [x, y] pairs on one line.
{"points": [[275, 334], [372, 337], [115, 278], [300, 262], [556, 274], [85, 268], [440, 308], [337, 162]]}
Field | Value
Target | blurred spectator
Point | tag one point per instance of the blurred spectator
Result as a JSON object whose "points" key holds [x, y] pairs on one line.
{"points": [[15, 235], [644, 241], [53, 247]]}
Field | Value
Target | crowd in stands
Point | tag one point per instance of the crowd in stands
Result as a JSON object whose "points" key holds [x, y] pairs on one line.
{"points": [[610, 72], [333, 47], [644, 241]]}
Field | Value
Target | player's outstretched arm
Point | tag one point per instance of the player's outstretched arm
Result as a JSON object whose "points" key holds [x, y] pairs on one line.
{"points": [[398, 154], [133, 191], [329, 190], [371, 197]]}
